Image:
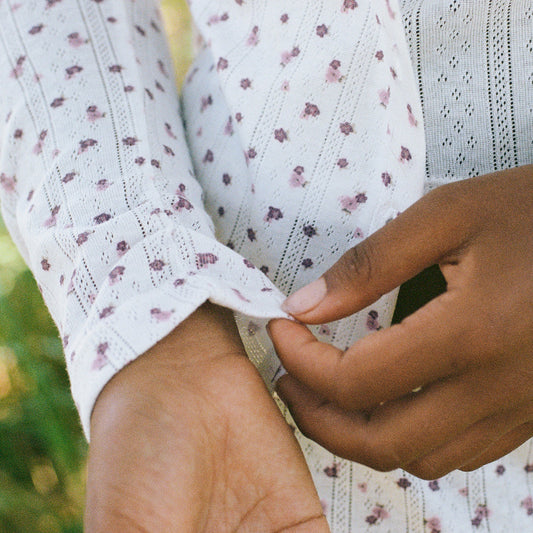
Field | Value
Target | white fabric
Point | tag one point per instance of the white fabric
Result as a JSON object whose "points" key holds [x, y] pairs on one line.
{"points": [[305, 133]]}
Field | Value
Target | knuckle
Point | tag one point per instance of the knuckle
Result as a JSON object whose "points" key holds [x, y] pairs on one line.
{"points": [[357, 262]]}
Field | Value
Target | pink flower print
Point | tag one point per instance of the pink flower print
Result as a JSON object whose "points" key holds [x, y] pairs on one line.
{"points": [[93, 113], [347, 5], [115, 69], [332, 471], [386, 179], [379, 513], [18, 70], [251, 234], [57, 102], [86, 144], [481, 512], [333, 73], [168, 129], [182, 203], [226, 179], [253, 38], [17, 134], [307, 263], [106, 311], [101, 218], [284, 18], [405, 154], [248, 263], [324, 330], [527, 504], [115, 275], [102, 184], [238, 117], [52, 219], [384, 96], [72, 71], [204, 259], [310, 110], [286, 58], [500, 470], [208, 157], [363, 487], [7, 183], [372, 322], [228, 128], [129, 88], [433, 524], [101, 359], [434, 485], [411, 116], [392, 14], [75, 40], [463, 491], [280, 135], [38, 148], [240, 295], [159, 315], [346, 128], [342, 162], [403, 483], [285, 86], [273, 214], [222, 64], [122, 248], [157, 265], [297, 178], [34, 30], [168, 150], [246, 83], [379, 55], [45, 265], [350, 203], [322, 30], [69, 176]]}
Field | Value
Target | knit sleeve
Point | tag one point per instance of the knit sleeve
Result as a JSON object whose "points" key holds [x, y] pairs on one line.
{"points": [[97, 186]]}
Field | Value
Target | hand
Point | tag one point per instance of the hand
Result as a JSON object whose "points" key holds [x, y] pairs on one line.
{"points": [[187, 439], [452, 385]]}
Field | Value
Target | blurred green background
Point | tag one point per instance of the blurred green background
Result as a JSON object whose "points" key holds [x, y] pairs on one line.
{"points": [[42, 448]]}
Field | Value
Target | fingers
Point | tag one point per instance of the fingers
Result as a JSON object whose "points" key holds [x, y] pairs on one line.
{"points": [[392, 255], [431, 344]]}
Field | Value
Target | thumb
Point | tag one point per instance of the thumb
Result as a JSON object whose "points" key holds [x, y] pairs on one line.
{"points": [[433, 230]]}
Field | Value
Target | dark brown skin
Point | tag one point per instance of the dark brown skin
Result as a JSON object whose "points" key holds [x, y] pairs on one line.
{"points": [[470, 349], [187, 439]]}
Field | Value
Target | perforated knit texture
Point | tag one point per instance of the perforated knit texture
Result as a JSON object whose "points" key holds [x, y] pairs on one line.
{"points": [[305, 134]]}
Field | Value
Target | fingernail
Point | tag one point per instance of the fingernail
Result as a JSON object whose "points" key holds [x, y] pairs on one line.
{"points": [[306, 298]]}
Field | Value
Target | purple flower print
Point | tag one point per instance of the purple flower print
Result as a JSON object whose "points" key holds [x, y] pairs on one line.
{"points": [[93, 113], [310, 110], [101, 359], [178, 282], [251, 154], [168, 150], [248, 263], [18, 70], [7, 182], [122, 248], [297, 179], [284, 18], [106, 311], [264, 269], [411, 116], [36, 29], [332, 471], [393, 73], [159, 87], [251, 234], [350, 203], [371, 519], [221, 211], [481, 512], [280, 135], [433, 524], [116, 69], [228, 128], [155, 163], [149, 93], [527, 504], [101, 218], [82, 238], [307, 263], [346, 128], [372, 322], [384, 96], [403, 483], [434, 485], [204, 259], [273, 214], [140, 160], [208, 157], [129, 141], [205, 102], [324, 330], [222, 64], [528, 468], [253, 38], [17, 134], [379, 55], [309, 231], [140, 30], [115, 274], [75, 40], [333, 73], [405, 154], [246, 83], [342, 162], [386, 179], [85, 144], [57, 102], [45, 265], [348, 4], [240, 295], [238, 117], [72, 71], [129, 88], [322, 30], [69, 176], [51, 220], [500, 470], [378, 513], [157, 265], [226, 179], [168, 129], [38, 148], [159, 315]]}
